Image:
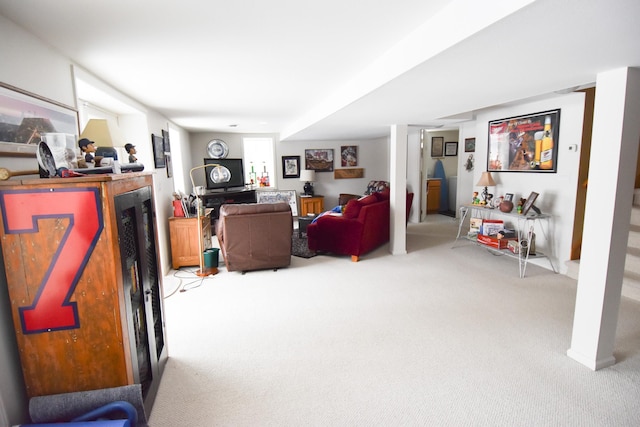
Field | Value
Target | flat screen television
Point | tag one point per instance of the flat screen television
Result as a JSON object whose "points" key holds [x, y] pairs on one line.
{"points": [[234, 166]]}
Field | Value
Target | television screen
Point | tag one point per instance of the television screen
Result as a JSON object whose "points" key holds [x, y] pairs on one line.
{"points": [[234, 166]]}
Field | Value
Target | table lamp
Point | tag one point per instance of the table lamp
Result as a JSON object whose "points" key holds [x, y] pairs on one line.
{"points": [[308, 176], [106, 136], [486, 180]]}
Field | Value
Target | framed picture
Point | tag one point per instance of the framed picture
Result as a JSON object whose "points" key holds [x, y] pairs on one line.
{"points": [[291, 166], [287, 196], [319, 160], [349, 156], [165, 141], [529, 202], [26, 116], [158, 151], [508, 197], [525, 143], [437, 146], [451, 149], [469, 145], [167, 159]]}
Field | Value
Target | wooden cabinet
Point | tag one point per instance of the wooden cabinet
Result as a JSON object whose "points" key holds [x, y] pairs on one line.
{"points": [[83, 279], [186, 243], [433, 195], [311, 204]]}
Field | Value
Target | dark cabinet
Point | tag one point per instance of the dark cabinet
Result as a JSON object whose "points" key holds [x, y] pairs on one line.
{"points": [[83, 276]]}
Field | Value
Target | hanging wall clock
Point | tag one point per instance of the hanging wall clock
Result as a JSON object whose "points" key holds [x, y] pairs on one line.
{"points": [[217, 149]]}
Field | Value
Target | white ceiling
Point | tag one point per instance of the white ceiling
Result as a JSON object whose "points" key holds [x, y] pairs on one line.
{"points": [[334, 69]]}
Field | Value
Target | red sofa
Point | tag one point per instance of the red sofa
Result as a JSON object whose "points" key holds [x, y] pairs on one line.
{"points": [[362, 227]]}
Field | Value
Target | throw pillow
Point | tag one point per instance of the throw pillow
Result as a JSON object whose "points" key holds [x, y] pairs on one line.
{"points": [[352, 209], [383, 195]]}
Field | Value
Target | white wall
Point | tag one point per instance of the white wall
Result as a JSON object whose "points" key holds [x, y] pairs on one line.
{"points": [[557, 190], [373, 156]]}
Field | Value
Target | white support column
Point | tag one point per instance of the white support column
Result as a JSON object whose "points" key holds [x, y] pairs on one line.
{"points": [[398, 178], [616, 132]]}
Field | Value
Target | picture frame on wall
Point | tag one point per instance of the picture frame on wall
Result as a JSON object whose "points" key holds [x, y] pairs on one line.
{"points": [[437, 146], [158, 151], [319, 160], [291, 166], [451, 149], [469, 145], [349, 156], [527, 143], [26, 116]]}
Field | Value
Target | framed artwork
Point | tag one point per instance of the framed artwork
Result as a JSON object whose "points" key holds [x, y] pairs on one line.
{"points": [[349, 156], [291, 166], [158, 151], [437, 146], [469, 145], [319, 160], [451, 149], [508, 197], [526, 143], [167, 159], [165, 141], [287, 196], [529, 202], [26, 116]]}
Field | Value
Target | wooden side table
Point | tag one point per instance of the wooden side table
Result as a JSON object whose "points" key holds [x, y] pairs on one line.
{"points": [[311, 204]]}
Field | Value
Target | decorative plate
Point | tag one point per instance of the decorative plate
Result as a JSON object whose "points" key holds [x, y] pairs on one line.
{"points": [[217, 149]]}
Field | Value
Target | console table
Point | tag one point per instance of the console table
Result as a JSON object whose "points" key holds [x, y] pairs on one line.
{"points": [[215, 199], [525, 227]]}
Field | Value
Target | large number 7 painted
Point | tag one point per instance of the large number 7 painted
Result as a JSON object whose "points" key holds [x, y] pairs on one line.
{"points": [[51, 308]]}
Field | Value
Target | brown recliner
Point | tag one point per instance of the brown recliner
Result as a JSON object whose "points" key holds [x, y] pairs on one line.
{"points": [[255, 236]]}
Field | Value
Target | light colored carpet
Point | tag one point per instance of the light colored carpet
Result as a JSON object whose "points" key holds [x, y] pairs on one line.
{"points": [[436, 337]]}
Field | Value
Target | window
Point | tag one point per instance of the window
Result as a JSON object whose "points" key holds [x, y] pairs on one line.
{"points": [[258, 153]]}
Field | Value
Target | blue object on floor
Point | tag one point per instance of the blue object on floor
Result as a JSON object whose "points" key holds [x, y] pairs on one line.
{"points": [[93, 418]]}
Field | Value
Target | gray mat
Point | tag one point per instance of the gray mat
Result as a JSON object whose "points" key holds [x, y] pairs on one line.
{"points": [[67, 406], [299, 246]]}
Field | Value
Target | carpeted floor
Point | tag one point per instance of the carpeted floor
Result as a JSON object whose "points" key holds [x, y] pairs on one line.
{"points": [[434, 337], [299, 246]]}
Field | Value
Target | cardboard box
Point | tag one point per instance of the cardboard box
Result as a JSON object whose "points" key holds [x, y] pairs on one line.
{"points": [[491, 227], [493, 241]]}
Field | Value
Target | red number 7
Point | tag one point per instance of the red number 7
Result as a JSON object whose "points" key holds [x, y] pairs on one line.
{"points": [[51, 308]]}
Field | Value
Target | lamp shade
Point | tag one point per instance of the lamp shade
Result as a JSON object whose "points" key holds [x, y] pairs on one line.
{"points": [[486, 180], [103, 132], [307, 175]]}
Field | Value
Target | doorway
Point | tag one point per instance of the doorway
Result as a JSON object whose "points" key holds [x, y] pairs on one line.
{"points": [[440, 150]]}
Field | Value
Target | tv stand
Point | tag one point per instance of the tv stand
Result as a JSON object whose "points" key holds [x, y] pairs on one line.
{"points": [[214, 199]]}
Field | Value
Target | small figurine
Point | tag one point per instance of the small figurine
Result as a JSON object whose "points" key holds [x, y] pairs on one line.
{"points": [[521, 204], [475, 200]]}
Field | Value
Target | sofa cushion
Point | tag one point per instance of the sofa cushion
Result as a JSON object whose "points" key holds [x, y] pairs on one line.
{"points": [[383, 195], [352, 209], [367, 200]]}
